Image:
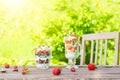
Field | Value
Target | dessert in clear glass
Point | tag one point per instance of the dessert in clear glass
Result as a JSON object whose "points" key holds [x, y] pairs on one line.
{"points": [[72, 50], [42, 56]]}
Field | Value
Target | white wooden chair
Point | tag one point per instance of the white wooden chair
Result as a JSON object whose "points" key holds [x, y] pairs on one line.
{"points": [[99, 47]]}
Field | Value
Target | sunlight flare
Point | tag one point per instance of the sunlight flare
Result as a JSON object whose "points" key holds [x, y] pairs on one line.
{"points": [[13, 3]]}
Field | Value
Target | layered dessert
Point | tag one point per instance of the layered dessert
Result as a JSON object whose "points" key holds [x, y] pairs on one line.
{"points": [[71, 46], [42, 56], [71, 49]]}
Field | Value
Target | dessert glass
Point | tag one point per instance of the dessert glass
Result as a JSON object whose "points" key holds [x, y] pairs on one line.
{"points": [[72, 50], [42, 56]]}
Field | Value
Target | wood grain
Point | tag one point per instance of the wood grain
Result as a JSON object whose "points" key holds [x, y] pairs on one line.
{"points": [[101, 73]]}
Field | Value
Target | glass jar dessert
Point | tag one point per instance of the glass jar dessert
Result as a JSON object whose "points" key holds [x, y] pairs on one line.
{"points": [[42, 56]]}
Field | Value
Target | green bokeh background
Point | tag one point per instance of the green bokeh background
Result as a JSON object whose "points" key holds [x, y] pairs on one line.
{"points": [[26, 24]]}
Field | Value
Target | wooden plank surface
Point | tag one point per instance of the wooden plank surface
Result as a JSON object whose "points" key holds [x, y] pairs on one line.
{"points": [[101, 73]]}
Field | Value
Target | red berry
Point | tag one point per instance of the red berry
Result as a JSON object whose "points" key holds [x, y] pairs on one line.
{"points": [[91, 66], [72, 69], [56, 71], [7, 65], [69, 47], [75, 39], [23, 72], [24, 69], [73, 34], [67, 41], [15, 67]]}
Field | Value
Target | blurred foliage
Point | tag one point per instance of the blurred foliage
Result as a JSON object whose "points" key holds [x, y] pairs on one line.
{"points": [[25, 25]]}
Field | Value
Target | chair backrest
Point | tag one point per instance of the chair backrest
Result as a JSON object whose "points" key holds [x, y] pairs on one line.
{"points": [[99, 47]]}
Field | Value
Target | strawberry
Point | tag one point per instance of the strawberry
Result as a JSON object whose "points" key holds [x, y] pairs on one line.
{"points": [[75, 39], [73, 34], [56, 71], [91, 66], [7, 65], [44, 51], [67, 41], [15, 67], [72, 69], [24, 69], [69, 47], [23, 72], [73, 49]]}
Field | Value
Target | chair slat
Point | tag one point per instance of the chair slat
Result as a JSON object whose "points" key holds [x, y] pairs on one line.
{"points": [[99, 48], [105, 51], [83, 54], [92, 47], [96, 52], [101, 43], [117, 48]]}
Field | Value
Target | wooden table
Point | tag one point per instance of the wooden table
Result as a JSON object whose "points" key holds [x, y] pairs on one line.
{"points": [[101, 73]]}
